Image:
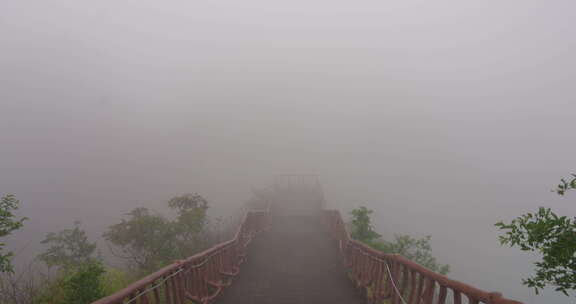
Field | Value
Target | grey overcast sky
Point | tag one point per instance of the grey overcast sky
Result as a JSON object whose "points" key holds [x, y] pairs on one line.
{"points": [[442, 116]]}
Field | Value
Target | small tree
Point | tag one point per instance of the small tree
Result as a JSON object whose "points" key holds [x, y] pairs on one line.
{"points": [[150, 241], [191, 222], [362, 228], [84, 284], [80, 273], [81, 284], [146, 240], [68, 248], [416, 250], [551, 235], [8, 223]]}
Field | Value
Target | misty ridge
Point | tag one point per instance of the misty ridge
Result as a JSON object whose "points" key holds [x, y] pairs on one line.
{"points": [[137, 134]]}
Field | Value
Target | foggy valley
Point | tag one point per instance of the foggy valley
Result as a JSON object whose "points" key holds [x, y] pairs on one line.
{"points": [[443, 117]]}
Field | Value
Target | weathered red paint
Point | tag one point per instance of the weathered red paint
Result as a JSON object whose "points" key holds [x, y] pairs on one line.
{"points": [[381, 276], [200, 277], [418, 288]]}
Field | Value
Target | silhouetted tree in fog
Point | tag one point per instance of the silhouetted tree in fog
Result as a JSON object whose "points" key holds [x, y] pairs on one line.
{"points": [[149, 240], [416, 250], [68, 248], [80, 273], [146, 240], [191, 222]]}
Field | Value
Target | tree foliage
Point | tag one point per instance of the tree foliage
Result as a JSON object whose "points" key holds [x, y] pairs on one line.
{"points": [[362, 228], [551, 235], [81, 284], [566, 185], [80, 272], [8, 223], [68, 248], [84, 285], [150, 241], [145, 239], [416, 250], [188, 202], [191, 221]]}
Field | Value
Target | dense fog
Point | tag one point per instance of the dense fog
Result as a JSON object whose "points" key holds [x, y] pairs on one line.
{"points": [[444, 117]]}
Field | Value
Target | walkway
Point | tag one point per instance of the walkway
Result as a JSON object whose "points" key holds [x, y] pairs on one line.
{"points": [[293, 263]]}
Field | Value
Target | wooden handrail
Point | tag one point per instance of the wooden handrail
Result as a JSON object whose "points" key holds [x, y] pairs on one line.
{"points": [[367, 266], [195, 276]]}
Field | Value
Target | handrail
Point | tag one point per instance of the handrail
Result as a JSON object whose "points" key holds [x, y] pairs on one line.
{"points": [[392, 276], [199, 278]]}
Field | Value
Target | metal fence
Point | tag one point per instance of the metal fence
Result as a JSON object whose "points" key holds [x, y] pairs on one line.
{"points": [[199, 278], [391, 278]]}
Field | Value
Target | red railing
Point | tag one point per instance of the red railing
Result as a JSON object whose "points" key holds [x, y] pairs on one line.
{"points": [[199, 278], [398, 280]]}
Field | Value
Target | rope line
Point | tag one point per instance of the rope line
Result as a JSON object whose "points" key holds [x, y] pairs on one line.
{"points": [[206, 260], [202, 263], [387, 268], [149, 289], [394, 285]]}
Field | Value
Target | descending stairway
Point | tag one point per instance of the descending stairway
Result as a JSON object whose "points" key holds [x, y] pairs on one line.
{"points": [[293, 263]]}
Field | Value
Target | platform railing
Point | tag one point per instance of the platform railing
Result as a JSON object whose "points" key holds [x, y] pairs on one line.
{"points": [[199, 278], [391, 278]]}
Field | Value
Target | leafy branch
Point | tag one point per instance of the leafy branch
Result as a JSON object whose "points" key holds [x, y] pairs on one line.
{"points": [[552, 236], [8, 224]]}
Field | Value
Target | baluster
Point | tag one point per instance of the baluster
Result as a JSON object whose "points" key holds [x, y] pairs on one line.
{"points": [[442, 296], [378, 284], [405, 277], [167, 292], [390, 273], [413, 287], [144, 297], [429, 296], [457, 297], [472, 300], [195, 290], [220, 266], [179, 294], [376, 279], [157, 295], [421, 281], [365, 269], [179, 279], [133, 296]]}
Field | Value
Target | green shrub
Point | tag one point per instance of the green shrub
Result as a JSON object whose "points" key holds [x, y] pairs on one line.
{"points": [[79, 285], [416, 250], [114, 279]]}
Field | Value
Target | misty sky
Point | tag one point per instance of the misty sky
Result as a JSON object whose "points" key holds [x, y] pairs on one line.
{"points": [[442, 116]]}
